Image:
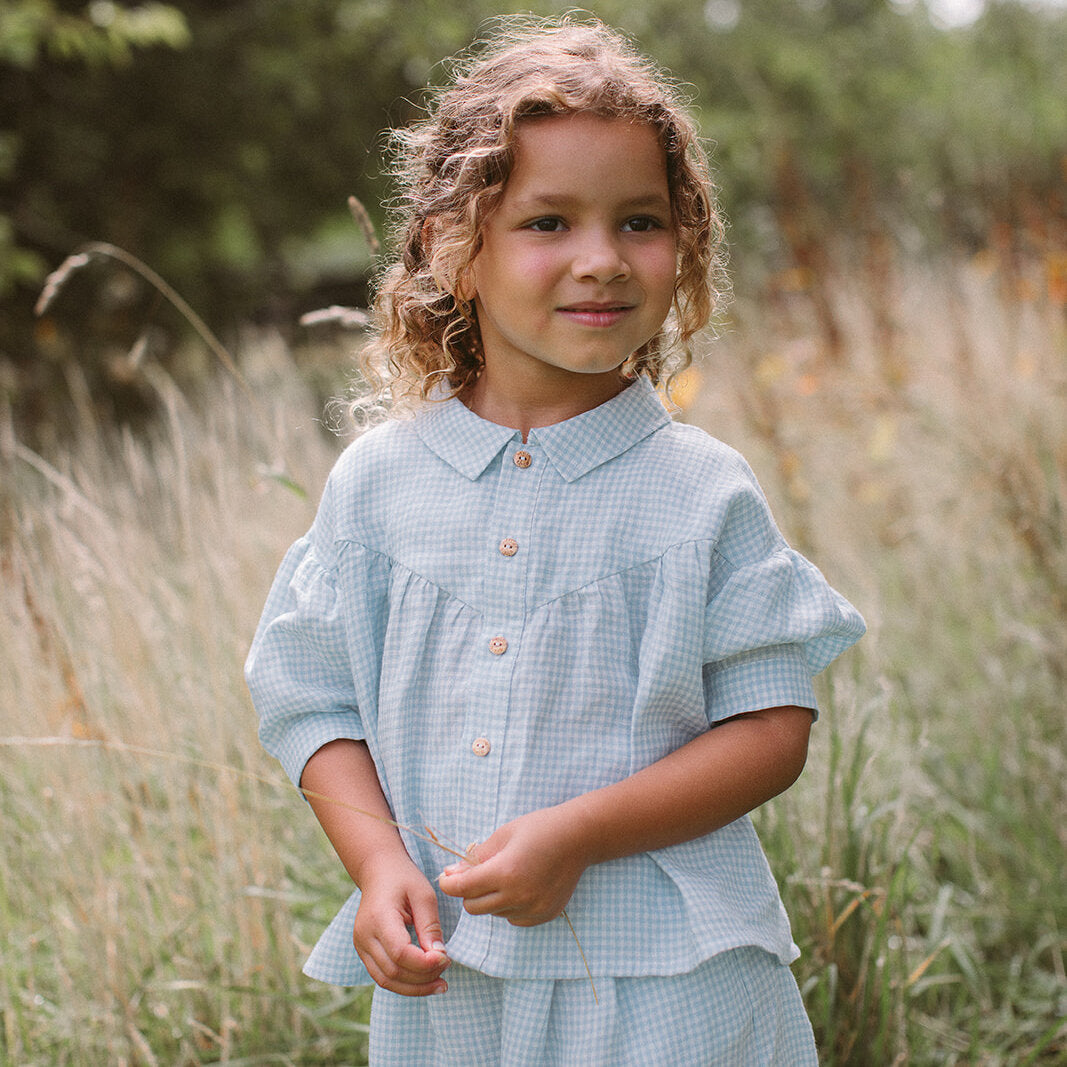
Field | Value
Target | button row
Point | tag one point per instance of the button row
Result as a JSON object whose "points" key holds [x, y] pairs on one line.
{"points": [[481, 746]]}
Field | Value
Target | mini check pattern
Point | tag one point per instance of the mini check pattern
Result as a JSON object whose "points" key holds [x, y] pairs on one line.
{"points": [[649, 595], [739, 1009]]}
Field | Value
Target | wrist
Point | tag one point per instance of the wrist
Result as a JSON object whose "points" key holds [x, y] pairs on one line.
{"points": [[383, 866], [578, 833]]}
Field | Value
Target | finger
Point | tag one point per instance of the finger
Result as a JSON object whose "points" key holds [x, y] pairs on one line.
{"points": [[463, 880], [403, 960], [427, 922], [415, 964], [403, 986], [451, 880], [411, 972], [474, 854], [388, 943], [516, 913], [413, 990], [490, 903]]}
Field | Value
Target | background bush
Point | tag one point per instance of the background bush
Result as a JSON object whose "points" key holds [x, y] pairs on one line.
{"points": [[219, 144]]}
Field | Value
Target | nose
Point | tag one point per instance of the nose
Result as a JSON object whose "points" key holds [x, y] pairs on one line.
{"points": [[599, 258]]}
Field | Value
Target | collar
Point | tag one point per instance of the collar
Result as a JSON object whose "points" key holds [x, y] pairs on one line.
{"points": [[574, 447]]}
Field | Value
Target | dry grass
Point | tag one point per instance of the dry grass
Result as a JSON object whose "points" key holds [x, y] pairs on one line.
{"points": [[157, 911], [147, 903], [923, 850]]}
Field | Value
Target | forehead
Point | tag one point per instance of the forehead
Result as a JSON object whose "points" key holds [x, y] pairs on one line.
{"points": [[586, 152]]}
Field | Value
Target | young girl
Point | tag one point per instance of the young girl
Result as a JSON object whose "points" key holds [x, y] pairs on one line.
{"points": [[541, 616]]}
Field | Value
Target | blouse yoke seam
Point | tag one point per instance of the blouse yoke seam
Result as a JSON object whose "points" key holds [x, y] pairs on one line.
{"points": [[411, 570], [628, 567], [559, 596]]}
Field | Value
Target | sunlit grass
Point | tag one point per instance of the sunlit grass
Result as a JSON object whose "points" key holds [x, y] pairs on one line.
{"points": [[157, 911], [923, 850], [151, 906]]}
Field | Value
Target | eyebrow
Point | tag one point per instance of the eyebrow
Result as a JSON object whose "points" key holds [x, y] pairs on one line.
{"points": [[653, 201]]}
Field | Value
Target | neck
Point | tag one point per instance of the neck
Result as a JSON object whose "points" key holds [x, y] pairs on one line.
{"points": [[525, 409]]}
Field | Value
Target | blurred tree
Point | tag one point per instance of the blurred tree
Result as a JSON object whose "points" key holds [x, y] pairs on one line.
{"points": [[36, 32], [225, 166], [847, 130], [219, 142]]}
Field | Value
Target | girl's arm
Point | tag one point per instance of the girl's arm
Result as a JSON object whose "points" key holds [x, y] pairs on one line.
{"points": [[395, 893], [527, 870]]}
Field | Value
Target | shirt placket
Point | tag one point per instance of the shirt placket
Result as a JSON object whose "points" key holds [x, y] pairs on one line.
{"points": [[507, 554]]}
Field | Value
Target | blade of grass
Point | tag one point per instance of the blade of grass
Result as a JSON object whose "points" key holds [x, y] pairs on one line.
{"points": [[157, 753]]}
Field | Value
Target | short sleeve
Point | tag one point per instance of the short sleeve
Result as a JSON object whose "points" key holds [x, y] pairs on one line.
{"points": [[298, 669], [772, 620]]}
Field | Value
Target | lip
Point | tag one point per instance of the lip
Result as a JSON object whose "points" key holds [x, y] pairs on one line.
{"points": [[589, 313]]}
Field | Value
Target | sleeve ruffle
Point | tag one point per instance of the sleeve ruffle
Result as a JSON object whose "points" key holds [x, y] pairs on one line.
{"points": [[298, 669], [781, 599], [772, 621]]}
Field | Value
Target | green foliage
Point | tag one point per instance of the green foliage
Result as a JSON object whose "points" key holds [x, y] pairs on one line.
{"points": [[219, 144], [107, 34], [854, 116], [34, 33]]}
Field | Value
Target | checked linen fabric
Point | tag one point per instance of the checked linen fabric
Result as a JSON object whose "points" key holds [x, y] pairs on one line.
{"points": [[508, 624]]}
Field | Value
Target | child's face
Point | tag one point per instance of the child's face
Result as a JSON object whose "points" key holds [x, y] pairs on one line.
{"points": [[578, 262]]}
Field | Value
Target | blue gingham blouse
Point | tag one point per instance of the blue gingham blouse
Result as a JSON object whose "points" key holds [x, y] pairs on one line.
{"points": [[510, 624]]}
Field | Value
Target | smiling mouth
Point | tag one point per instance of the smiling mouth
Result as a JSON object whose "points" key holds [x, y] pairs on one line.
{"points": [[595, 314]]}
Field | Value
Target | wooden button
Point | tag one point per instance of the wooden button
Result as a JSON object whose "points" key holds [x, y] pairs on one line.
{"points": [[498, 645], [508, 547], [522, 459], [481, 746]]}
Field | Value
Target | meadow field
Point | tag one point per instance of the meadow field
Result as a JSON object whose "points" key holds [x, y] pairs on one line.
{"points": [[160, 882]]}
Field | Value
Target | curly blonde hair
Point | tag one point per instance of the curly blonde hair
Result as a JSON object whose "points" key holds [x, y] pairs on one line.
{"points": [[453, 166]]}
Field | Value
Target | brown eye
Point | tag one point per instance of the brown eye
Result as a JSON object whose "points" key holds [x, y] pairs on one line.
{"points": [[546, 225], [640, 224]]}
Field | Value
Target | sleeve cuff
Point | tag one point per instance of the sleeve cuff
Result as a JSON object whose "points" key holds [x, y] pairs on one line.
{"points": [[777, 676], [305, 738]]}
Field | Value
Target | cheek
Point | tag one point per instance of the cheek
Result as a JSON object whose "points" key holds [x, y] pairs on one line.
{"points": [[663, 275], [534, 267], [469, 285], [660, 259], [514, 275]]}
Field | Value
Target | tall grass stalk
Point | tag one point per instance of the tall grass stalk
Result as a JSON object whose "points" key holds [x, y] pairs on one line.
{"points": [[923, 849], [157, 911], [149, 905]]}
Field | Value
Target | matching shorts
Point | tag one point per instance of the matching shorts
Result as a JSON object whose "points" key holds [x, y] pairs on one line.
{"points": [[741, 1008]]}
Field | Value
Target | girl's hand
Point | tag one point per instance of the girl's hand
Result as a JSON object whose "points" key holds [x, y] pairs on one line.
{"points": [[397, 896], [525, 872]]}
